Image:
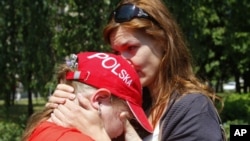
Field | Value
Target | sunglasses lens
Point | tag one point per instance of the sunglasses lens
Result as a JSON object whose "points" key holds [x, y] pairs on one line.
{"points": [[125, 13]]}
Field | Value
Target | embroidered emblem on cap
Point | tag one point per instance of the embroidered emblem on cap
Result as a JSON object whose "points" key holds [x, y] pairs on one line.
{"points": [[73, 61]]}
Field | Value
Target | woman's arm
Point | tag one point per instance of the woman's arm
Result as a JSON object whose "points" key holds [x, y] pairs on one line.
{"points": [[193, 117]]}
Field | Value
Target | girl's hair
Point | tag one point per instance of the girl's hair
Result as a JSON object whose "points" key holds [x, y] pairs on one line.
{"points": [[40, 116], [176, 70], [79, 87]]}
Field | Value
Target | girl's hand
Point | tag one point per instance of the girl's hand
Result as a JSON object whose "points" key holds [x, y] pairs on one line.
{"points": [[60, 95], [83, 117]]}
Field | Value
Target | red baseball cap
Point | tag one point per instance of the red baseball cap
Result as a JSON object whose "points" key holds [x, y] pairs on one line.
{"points": [[110, 71]]}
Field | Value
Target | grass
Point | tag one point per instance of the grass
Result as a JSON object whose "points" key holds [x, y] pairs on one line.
{"points": [[20, 107], [13, 119]]}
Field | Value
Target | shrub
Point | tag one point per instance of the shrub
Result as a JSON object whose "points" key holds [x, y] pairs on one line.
{"points": [[236, 107], [10, 131], [236, 111]]}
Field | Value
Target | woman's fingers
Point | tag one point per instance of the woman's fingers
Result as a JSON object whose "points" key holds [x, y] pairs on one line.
{"points": [[51, 105], [57, 120], [54, 102], [84, 102], [65, 87], [60, 95], [64, 91], [130, 133], [63, 115], [71, 106]]}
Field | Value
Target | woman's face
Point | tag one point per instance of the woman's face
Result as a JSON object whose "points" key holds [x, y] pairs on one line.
{"points": [[141, 50]]}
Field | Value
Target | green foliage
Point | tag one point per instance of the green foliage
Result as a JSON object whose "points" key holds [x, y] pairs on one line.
{"points": [[218, 34], [36, 35], [12, 131], [236, 107], [236, 110], [13, 120], [79, 26]]}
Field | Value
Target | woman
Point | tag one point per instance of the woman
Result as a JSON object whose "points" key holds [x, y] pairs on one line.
{"points": [[181, 107]]}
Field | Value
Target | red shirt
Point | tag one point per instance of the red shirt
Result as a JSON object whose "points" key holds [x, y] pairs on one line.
{"points": [[48, 131]]}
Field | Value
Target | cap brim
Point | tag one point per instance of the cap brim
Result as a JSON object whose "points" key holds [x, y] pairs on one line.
{"points": [[140, 117]]}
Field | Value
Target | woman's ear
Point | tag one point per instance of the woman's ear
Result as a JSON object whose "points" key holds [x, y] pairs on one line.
{"points": [[102, 95]]}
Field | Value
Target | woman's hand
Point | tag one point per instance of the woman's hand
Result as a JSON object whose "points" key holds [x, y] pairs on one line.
{"points": [[82, 117], [130, 133], [60, 95]]}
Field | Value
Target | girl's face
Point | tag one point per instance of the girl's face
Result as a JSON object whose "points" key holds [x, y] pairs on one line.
{"points": [[141, 50], [110, 114]]}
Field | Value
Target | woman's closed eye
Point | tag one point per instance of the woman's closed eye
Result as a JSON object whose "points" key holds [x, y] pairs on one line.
{"points": [[131, 49], [128, 49]]}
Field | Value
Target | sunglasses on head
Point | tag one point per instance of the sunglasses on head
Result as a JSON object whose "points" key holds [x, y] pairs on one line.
{"points": [[127, 12]]}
